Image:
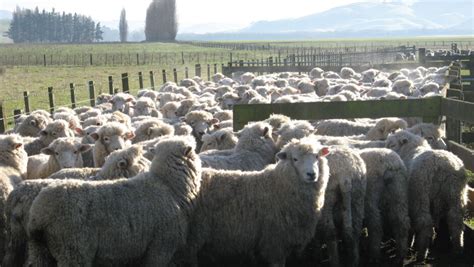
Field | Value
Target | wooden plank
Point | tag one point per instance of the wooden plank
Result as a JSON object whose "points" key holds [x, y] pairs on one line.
{"points": [[456, 109], [428, 108], [464, 153]]}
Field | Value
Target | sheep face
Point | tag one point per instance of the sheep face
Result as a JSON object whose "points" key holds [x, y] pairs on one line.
{"points": [[144, 107], [113, 140], [305, 159], [432, 134], [404, 142], [124, 163], [66, 152], [12, 152], [54, 130], [119, 102]]}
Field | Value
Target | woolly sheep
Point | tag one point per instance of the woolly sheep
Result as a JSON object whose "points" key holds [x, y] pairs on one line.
{"points": [[430, 196], [386, 199], [13, 160], [277, 120], [62, 153], [223, 115], [184, 107], [71, 118], [344, 199], [103, 98], [121, 102], [200, 121], [150, 129], [292, 130], [347, 73], [431, 132], [32, 125], [90, 113], [221, 140], [110, 137], [217, 77], [404, 87], [120, 117], [247, 78], [170, 110], [145, 106], [124, 163], [53, 130], [228, 100], [161, 201], [384, 127], [288, 222], [369, 75], [94, 121], [254, 150], [316, 73], [182, 128], [339, 127]]}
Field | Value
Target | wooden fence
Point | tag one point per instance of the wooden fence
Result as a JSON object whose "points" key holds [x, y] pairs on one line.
{"points": [[430, 109], [112, 87]]}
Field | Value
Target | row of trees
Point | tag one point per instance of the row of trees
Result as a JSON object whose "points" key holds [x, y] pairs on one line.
{"points": [[34, 26], [160, 25]]}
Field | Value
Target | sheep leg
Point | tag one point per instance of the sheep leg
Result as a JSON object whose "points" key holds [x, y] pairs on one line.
{"points": [[400, 229], [423, 225], [374, 226], [161, 250], [347, 229], [38, 255], [455, 228]]}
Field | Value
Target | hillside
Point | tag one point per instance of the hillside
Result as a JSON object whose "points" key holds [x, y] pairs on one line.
{"points": [[366, 16]]}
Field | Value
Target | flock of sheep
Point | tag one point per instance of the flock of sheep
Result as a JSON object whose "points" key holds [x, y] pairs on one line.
{"points": [[162, 178]]}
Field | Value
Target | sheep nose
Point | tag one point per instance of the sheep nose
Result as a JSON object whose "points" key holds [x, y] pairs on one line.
{"points": [[311, 175], [201, 133]]}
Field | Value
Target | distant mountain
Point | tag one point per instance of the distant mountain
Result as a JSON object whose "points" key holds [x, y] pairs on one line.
{"points": [[5, 15], [365, 16]]}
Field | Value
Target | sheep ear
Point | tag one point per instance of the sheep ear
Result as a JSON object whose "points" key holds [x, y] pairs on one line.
{"points": [[216, 126], [182, 119], [324, 151], [282, 155], [130, 135], [129, 99], [265, 131], [44, 133], [214, 121], [187, 151], [47, 151], [94, 136], [17, 145], [80, 131], [222, 137], [84, 148], [404, 141]]}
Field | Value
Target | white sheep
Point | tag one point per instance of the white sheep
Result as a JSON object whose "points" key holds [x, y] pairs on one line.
{"points": [[110, 137], [431, 132], [254, 150], [32, 125], [145, 106], [259, 222], [436, 189], [53, 130], [160, 200], [221, 140], [344, 200], [13, 160], [62, 153], [293, 130], [151, 128], [121, 102], [386, 200]]}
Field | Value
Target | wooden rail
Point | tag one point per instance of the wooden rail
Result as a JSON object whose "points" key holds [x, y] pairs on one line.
{"points": [[430, 109]]}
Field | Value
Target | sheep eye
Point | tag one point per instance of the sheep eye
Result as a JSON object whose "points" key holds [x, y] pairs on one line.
{"points": [[429, 138], [295, 159], [98, 124], [75, 152], [53, 134], [106, 139], [57, 154]]}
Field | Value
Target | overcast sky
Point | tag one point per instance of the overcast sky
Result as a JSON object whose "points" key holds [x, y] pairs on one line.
{"points": [[191, 12]]}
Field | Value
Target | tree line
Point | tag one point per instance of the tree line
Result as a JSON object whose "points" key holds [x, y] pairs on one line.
{"points": [[33, 26]]}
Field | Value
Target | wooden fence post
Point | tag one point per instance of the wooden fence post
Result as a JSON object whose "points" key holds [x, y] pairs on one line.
{"points": [[111, 85], [215, 68], [72, 89], [26, 98], [90, 59], [208, 72], [163, 72], [92, 93], [16, 114], [51, 100], [152, 80], [175, 75], [125, 87], [138, 59], [198, 70], [186, 72], [2, 118], [140, 80], [44, 60]]}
